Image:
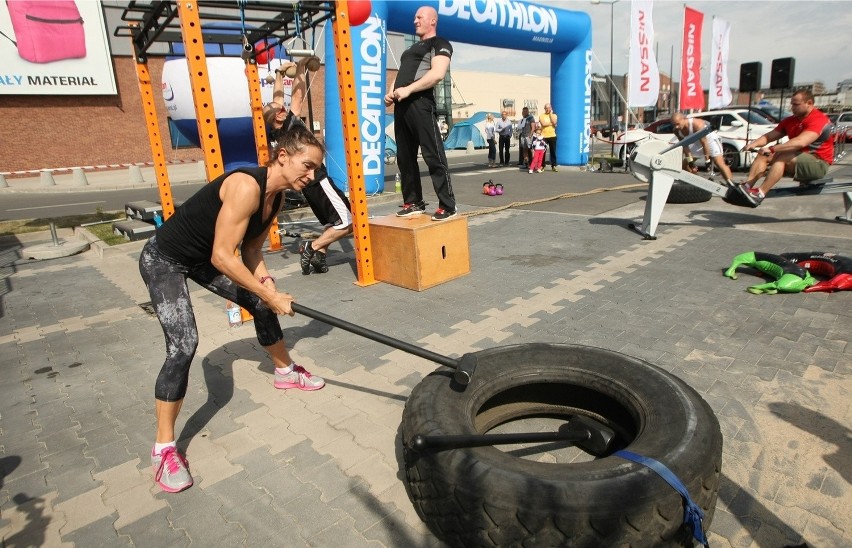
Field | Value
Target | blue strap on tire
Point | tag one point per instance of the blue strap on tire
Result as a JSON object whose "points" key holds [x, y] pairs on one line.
{"points": [[692, 513]]}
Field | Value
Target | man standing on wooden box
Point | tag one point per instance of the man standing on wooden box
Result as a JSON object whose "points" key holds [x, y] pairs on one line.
{"points": [[421, 68]]}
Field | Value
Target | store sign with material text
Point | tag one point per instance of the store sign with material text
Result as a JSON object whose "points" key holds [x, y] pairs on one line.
{"points": [[58, 47]]}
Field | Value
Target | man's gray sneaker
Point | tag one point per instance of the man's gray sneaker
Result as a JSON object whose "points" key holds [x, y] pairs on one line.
{"points": [[306, 253], [318, 263]]}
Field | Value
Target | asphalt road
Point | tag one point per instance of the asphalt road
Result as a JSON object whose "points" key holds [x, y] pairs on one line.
{"points": [[32, 205]]}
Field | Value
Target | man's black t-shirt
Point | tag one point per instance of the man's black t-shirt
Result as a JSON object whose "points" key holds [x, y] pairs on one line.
{"points": [[417, 60]]}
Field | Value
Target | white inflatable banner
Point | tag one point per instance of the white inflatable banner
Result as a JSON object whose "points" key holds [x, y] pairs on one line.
{"points": [[644, 76], [720, 89]]}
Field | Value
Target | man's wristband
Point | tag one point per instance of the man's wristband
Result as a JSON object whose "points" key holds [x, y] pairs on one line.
{"points": [[264, 278]]}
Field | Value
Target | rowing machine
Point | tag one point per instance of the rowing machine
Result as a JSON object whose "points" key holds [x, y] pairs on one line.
{"points": [[660, 165]]}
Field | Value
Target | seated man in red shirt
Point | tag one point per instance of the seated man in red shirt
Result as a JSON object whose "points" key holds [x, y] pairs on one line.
{"points": [[805, 157]]}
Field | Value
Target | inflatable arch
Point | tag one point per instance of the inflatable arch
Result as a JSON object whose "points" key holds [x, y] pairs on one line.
{"points": [[507, 24]]}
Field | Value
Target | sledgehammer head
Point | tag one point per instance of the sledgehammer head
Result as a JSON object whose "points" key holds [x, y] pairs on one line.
{"points": [[600, 435], [465, 369]]}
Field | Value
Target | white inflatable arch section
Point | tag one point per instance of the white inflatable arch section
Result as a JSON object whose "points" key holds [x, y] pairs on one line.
{"points": [[507, 24]]}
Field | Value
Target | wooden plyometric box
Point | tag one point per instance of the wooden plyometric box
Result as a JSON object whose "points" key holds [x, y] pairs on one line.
{"points": [[418, 253]]}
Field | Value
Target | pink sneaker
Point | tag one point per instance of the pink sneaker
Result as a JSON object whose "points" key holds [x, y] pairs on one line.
{"points": [[171, 470], [298, 378]]}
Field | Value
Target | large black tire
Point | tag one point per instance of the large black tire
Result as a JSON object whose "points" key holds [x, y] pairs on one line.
{"points": [[625, 152], [684, 193], [487, 497]]}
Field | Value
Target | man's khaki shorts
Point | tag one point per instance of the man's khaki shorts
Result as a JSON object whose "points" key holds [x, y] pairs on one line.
{"points": [[809, 167]]}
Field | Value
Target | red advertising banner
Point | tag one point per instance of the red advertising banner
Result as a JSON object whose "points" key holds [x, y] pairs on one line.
{"points": [[691, 92]]}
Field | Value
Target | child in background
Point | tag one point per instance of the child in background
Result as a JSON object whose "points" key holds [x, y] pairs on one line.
{"points": [[539, 146]]}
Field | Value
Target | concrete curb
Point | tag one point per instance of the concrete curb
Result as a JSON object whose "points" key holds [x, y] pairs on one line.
{"points": [[103, 249]]}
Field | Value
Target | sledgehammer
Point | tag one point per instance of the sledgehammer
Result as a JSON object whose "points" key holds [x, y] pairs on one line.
{"points": [[464, 366]]}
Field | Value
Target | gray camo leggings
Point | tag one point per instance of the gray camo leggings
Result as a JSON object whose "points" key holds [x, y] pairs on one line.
{"points": [[166, 282]]}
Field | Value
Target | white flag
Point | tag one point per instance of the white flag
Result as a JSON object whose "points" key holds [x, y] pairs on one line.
{"points": [[644, 76], [720, 90]]}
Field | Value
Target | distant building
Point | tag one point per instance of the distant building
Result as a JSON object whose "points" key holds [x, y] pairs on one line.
{"points": [[828, 101], [478, 91]]}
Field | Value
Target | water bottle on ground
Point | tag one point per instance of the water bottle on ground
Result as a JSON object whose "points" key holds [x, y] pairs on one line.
{"points": [[235, 319], [398, 183]]}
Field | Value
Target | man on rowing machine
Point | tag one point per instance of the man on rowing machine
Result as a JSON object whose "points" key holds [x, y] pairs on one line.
{"points": [[805, 157]]}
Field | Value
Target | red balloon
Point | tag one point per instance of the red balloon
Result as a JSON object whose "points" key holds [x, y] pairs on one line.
{"points": [[359, 12], [265, 52]]}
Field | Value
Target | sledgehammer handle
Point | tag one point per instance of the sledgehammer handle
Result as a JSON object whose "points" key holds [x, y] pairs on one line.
{"points": [[375, 336]]}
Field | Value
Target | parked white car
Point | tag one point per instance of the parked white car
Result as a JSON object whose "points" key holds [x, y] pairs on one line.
{"points": [[734, 126], [842, 126]]}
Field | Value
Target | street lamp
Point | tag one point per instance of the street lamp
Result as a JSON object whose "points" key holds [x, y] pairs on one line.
{"points": [[610, 102]]}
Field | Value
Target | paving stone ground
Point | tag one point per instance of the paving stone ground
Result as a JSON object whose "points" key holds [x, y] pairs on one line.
{"points": [[79, 356]]}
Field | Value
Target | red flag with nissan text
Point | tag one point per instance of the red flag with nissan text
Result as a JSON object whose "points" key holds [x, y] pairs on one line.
{"points": [[691, 92]]}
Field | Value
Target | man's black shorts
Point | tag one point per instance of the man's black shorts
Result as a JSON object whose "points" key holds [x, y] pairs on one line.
{"points": [[328, 202]]}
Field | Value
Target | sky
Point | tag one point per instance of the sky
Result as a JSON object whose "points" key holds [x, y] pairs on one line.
{"points": [[817, 34]]}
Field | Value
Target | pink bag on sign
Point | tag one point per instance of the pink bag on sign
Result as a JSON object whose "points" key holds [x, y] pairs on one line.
{"points": [[47, 30]]}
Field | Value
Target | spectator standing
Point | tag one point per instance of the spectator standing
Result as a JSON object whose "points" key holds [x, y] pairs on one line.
{"points": [[421, 67], [525, 131], [548, 131], [504, 132], [490, 135]]}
